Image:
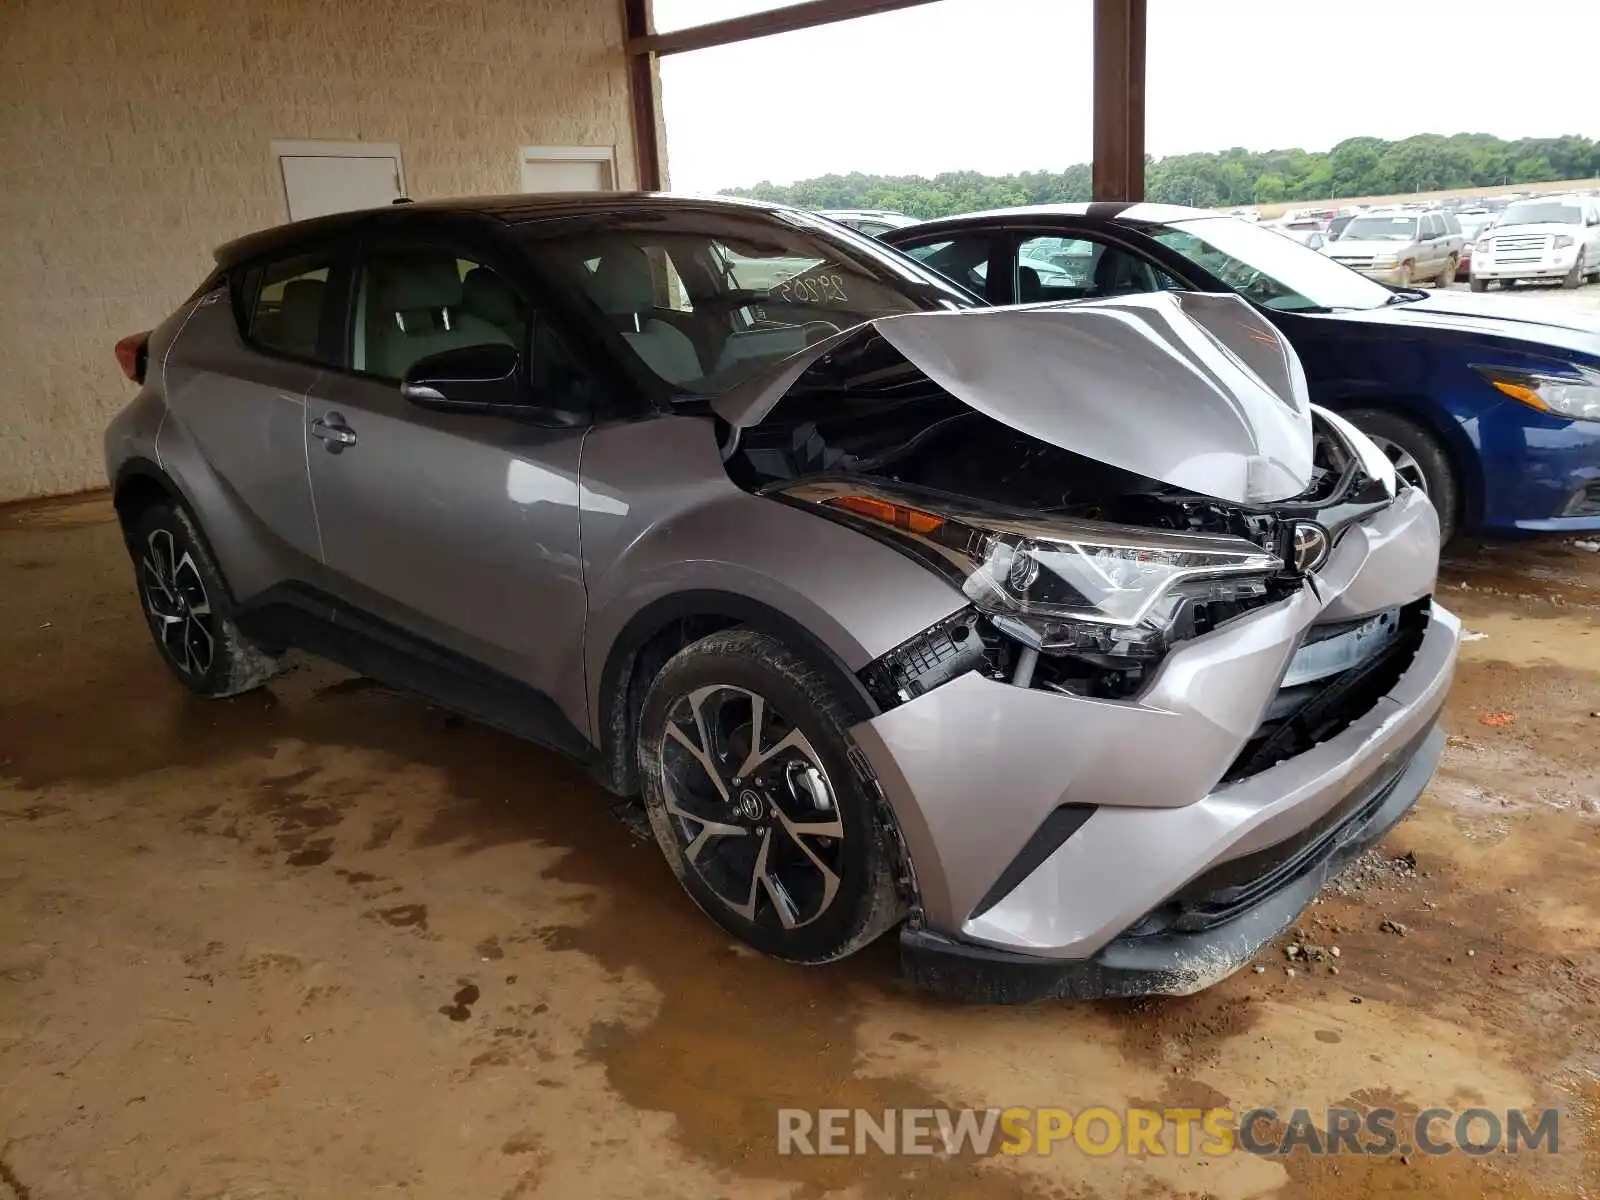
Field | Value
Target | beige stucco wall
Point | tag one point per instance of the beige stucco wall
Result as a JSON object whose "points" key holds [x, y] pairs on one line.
{"points": [[135, 136]]}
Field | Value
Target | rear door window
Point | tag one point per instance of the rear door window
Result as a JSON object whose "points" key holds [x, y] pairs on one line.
{"points": [[963, 260], [1083, 268], [289, 312]]}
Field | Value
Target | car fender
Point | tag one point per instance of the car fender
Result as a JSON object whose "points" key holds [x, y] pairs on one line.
{"points": [[251, 557], [663, 523]]}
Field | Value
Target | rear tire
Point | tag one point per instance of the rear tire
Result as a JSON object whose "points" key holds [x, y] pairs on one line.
{"points": [[189, 609], [1419, 458], [774, 833]]}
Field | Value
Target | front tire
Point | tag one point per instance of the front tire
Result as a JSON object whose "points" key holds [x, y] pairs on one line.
{"points": [[1419, 459], [189, 609], [1575, 276], [1479, 285], [1448, 276], [1403, 275], [756, 803]]}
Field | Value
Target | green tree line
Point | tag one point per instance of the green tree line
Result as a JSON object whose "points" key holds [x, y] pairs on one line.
{"points": [[1358, 166]]}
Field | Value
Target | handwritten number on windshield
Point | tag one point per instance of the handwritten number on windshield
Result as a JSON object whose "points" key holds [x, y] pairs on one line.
{"points": [[818, 289]]}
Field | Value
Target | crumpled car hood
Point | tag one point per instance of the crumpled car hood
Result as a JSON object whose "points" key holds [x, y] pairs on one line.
{"points": [[1193, 390]]}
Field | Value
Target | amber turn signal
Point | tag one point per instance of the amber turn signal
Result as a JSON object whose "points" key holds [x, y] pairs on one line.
{"points": [[913, 520]]}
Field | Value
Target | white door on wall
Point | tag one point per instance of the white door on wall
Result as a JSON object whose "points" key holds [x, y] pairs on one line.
{"points": [[331, 177], [568, 169]]}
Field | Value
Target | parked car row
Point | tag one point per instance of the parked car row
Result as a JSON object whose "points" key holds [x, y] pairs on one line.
{"points": [[1526, 239], [880, 574]]}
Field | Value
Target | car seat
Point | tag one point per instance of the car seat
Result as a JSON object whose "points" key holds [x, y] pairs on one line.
{"points": [[623, 287]]}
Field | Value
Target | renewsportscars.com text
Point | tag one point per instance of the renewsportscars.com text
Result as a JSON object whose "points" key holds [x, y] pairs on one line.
{"points": [[1165, 1131]]}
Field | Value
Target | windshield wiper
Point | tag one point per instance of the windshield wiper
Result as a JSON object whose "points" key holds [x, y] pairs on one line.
{"points": [[1406, 296]]}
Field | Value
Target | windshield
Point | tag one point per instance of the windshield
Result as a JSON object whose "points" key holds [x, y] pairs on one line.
{"points": [[1380, 229], [706, 301], [1268, 268], [1534, 212]]}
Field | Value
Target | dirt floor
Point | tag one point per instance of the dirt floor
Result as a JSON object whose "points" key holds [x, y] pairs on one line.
{"points": [[323, 940]]}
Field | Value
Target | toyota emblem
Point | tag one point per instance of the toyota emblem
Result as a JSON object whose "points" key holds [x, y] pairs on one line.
{"points": [[1310, 543]]}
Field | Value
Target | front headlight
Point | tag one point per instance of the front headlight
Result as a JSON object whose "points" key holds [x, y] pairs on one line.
{"points": [[1385, 260], [1576, 395], [1563, 241], [1060, 585], [1483, 243]]}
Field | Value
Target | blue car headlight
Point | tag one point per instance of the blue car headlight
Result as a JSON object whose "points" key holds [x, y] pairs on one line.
{"points": [[1575, 395]]}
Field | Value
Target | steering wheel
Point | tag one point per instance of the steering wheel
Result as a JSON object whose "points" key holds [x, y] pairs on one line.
{"points": [[1256, 285]]}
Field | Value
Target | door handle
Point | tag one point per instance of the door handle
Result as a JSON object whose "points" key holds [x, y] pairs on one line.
{"points": [[333, 432]]}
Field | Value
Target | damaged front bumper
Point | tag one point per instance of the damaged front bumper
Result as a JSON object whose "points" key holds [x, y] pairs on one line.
{"points": [[1069, 846], [1243, 916]]}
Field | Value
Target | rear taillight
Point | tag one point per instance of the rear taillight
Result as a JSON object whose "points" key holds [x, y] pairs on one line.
{"points": [[131, 354]]}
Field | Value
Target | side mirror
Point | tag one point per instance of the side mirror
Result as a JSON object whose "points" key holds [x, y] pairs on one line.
{"points": [[469, 379]]}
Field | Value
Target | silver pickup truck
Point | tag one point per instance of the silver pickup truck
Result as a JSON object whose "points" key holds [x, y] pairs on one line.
{"points": [[1401, 246]]}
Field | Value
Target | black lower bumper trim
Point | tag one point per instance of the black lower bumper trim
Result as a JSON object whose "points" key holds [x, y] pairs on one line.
{"points": [[1175, 964]]}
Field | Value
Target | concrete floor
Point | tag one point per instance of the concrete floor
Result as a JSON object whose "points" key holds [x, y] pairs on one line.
{"points": [[322, 940]]}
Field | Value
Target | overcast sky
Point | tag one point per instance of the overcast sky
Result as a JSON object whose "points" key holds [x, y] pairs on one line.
{"points": [[1004, 85]]}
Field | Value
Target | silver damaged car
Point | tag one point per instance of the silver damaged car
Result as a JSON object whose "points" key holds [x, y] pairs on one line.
{"points": [[1071, 640]]}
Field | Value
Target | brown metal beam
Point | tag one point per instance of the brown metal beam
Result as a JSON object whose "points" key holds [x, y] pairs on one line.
{"points": [[639, 25], [1119, 99], [788, 19]]}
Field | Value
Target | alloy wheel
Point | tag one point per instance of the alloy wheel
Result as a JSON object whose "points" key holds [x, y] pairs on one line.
{"points": [[751, 806], [1405, 464], [175, 597]]}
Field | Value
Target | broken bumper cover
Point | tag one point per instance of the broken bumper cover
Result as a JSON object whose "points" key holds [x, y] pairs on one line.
{"points": [[1050, 829], [1179, 963]]}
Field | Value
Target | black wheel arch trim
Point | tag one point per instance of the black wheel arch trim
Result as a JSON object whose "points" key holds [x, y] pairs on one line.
{"points": [[136, 474], [617, 724]]}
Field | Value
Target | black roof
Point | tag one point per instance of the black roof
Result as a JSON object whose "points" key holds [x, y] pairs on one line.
{"points": [[510, 210]]}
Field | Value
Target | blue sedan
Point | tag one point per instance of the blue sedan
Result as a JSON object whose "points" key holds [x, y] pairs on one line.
{"points": [[1493, 410]]}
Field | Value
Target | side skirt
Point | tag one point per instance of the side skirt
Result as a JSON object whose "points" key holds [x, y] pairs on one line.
{"points": [[312, 621]]}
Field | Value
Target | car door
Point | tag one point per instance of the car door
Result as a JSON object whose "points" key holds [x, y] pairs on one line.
{"points": [[239, 387], [459, 528], [1454, 236], [1434, 247]]}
